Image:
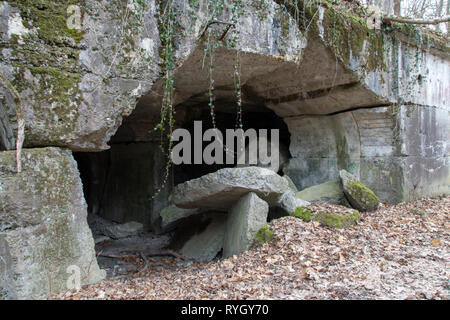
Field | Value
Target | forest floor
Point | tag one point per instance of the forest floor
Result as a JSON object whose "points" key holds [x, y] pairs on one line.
{"points": [[397, 252]]}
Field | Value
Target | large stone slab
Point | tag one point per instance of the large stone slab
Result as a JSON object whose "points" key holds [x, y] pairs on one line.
{"points": [[171, 216], [330, 192], [221, 189], [43, 227], [245, 219], [125, 230]]}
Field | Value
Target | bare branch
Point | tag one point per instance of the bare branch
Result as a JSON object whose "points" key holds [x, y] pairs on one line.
{"points": [[416, 21]]}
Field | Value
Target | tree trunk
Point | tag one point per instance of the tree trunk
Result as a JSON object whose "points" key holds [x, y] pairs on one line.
{"points": [[397, 8], [448, 14], [439, 13]]}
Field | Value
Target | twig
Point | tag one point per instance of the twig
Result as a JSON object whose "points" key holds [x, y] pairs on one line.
{"points": [[416, 21], [217, 22]]}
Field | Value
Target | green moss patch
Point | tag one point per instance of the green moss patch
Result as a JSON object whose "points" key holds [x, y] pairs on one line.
{"points": [[49, 17], [302, 213], [361, 197], [264, 235], [328, 219], [419, 212], [337, 221]]}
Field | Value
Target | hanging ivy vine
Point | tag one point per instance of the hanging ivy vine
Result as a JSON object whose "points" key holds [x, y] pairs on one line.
{"points": [[167, 114], [215, 9]]}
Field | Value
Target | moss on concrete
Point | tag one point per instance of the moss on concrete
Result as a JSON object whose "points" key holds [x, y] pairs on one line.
{"points": [[347, 34], [46, 71], [56, 96], [49, 17]]}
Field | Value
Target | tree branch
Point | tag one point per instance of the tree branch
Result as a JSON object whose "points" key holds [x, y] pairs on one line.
{"points": [[416, 21]]}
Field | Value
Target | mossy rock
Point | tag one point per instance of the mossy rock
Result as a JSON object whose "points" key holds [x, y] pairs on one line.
{"points": [[264, 235], [419, 212], [337, 221], [302, 213], [359, 196]]}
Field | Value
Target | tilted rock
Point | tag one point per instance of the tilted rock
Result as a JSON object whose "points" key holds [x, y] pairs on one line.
{"points": [[359, 196], [124, 230], [289, 202], [222, 189], [43, 227], [245, 219], [290, 183], [202, 238], [330, 192], [171, 216]]}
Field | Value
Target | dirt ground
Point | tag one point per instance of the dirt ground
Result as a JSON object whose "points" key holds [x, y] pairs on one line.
{"points": [[397, 252]]}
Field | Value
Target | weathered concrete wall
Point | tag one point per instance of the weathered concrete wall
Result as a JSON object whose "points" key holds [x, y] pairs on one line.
{"points": [[77, 86], [43, 227], [384, 115], [400, 152]]}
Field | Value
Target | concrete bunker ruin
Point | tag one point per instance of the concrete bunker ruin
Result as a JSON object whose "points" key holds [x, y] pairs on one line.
{"points": [[374, 102], [120, 184]]}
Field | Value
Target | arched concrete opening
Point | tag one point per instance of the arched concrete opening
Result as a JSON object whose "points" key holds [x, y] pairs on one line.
{"points": [[121, 184]]}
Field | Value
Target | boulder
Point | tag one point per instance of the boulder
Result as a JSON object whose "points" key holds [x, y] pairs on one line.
{"points": [[202, 238], [290, 183], [44, 236], [222, 189], [171, 216], [359, 196], [245, 219], [289, 202], [329, 192], [119, 231]]}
